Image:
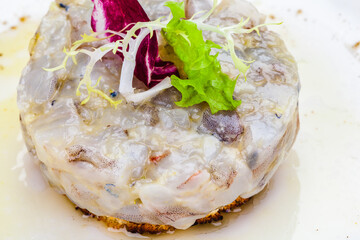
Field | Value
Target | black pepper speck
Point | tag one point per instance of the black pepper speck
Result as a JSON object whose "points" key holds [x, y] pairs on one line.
{"points": [[114, 94], [66, 7]]}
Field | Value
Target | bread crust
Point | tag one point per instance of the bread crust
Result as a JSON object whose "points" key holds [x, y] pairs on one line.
{"points": [[143, 228]]}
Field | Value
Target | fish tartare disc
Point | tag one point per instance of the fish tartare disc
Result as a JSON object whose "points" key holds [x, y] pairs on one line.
{"points": [[155, 162]]}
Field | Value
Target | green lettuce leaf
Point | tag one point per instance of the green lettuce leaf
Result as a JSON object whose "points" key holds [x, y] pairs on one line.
{"points": [[206, 82]]}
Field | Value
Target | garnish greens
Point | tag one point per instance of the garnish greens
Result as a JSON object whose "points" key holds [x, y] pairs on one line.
{"points": [[206, 82], [95, 56]]}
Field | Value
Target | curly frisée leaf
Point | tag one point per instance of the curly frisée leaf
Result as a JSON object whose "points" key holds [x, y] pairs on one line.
{"points": [[95, 56], [71, 53], [88, 39], [206, 82], [227, 33]]}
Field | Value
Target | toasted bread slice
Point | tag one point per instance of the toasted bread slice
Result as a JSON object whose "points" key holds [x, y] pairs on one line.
{"points": [[142, 228]]}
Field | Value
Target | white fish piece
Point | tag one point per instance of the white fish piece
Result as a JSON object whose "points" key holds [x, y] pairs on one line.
{"points": [[155, 162]]}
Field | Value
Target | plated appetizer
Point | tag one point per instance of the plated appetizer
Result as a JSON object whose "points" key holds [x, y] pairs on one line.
{"points": [[156, 115]]}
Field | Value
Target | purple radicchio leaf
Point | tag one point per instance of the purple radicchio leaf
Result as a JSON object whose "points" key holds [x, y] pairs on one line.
{"points": [[115, 15]]}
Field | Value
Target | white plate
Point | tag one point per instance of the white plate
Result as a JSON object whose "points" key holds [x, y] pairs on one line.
{"points": [[314, 195]]}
